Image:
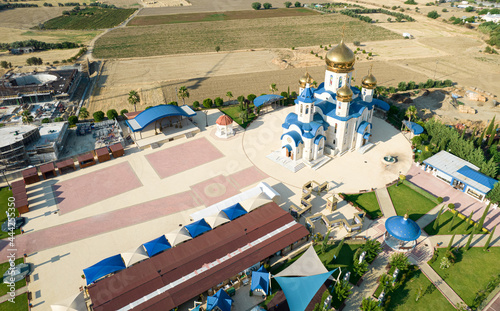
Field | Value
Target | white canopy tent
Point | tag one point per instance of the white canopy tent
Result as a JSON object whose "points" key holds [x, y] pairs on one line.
{"points": [[73, 303], [217, 219], [308, 264], [255, 202], [178, 236], [133, 256]]}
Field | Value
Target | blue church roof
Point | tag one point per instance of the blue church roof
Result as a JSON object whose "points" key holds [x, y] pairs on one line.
{"points": [[355, 90], [402, 229], [318, 139], [381, 104], [322, 90], [295, 136], [362, 127], [307, 96], [308, 130]]}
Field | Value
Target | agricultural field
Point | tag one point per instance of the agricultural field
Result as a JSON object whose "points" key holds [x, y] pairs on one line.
{"points": [[223, 16], [235, 35], [90, 18], [25, 18]]}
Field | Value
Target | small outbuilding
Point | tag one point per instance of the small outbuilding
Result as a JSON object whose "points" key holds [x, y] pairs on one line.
{"points": [[224, 127], [117, 150], [48, 170], [102, 154], [65, 166], [30, 176], [401, 233], [86, 160]]}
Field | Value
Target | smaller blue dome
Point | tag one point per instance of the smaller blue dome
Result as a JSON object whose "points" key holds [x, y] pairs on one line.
{"points": [[402, 229]]}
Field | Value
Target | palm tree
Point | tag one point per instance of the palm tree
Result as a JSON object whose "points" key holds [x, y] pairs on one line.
{"points": [[27, 117], [369, 304], [411, 112], [133, 98], [183, 93], [84, 113], [273, 87], [229, 95]]}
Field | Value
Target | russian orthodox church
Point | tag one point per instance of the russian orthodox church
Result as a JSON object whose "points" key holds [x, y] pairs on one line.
{"points": [[334, 115]]}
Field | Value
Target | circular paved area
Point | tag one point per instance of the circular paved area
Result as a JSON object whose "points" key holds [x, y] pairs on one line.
{"points": [[350, 173]]}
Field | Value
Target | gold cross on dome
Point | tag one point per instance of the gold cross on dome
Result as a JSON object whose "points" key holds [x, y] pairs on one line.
{"points": [[343, 32], [371, 68]]}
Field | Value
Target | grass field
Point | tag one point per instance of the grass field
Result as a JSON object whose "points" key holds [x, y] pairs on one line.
{"points": [[403, 298], [3, 268], [213, 16], [407, 200], [21, 304], [234, 112], [366, 201], [93, 18], [281, 32], [5, 193], [460, 225], [472, 271]]}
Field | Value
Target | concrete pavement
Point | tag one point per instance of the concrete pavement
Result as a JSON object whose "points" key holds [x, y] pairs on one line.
{"points": [[385, 202], [430, 216]]}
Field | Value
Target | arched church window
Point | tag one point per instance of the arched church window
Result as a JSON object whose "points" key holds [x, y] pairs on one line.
{"points": [[340, 81], [307, 109]]}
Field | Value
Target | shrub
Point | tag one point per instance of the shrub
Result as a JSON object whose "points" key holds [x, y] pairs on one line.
{"points": [[370, 54], [445, 10], [218, 101], [411, 2], [469, 9], [433, 14], [356, 43], [98, 116], [124, 111], [112, 114], [451, 206], [440, 200], [207, 103], [46, 120], [174, 103], [288, 4], [196, 104], [293, 48], [251, 97], [267, 5], [297, 4], [256, 5], [72, 120], [58, 119]]}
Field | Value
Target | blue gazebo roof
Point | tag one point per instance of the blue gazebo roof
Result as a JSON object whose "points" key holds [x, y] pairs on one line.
{"points": [[234, 211], [221, 299], [402, 228], [198, 227], [103, 268], [157, 245]]}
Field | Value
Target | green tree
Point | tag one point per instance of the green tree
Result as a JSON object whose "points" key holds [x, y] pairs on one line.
{"points": [[207, 103], [469, 220], [273, 88], [389, 19], [267, 5], [27, 117], [251, 97], [494, 194], [343, 290], [123, 112], [58, 119], [244, 116], [84, 113], [325, 242], [112, 114], [433, 14], [45, 120], [241, 100], [436, 222], [256, 5], [471, 235], [297, 4], [98, 116], [133, 99], [452, 223], [400, 261], [183, 94], [4, 64], [469, 9], [173, 103], [217, 48], [196, 104], [481, 221], [450, 244], [490, 168], [337, 249], [288, 4], [372, 248], [72, 120], [360, 268], [369, 304], [492, 136], [402, 86], [229, 95], [489, 129], [487, 245], [218, 102]]}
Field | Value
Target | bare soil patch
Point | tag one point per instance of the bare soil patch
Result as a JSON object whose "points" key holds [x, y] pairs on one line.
{"points": [[25, 18], [213, 16], [235, 35]]}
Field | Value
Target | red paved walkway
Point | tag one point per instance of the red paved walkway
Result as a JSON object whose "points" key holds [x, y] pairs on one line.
{"points": [[215, 190], [94, 187], [180, 158], [463, 202], [247, 177]]}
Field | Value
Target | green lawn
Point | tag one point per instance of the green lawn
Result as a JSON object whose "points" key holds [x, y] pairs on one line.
{"points": [[403, 298], [5, 193], [472, 271], [3, 268], [460, 225], [20, 304], [234, 112], [366, 201], [408, 200], [90, 18]]}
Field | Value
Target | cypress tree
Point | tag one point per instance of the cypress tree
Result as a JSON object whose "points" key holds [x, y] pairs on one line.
{"points": [[451, 241], [489, 130], [480, 140], [436, 222], [481, 221], [469, 220], [452, 221], [471, 235], [489, 239], [492, 136]]}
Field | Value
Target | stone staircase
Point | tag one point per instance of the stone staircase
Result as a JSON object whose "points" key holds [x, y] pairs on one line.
{"points": [[293, 166], [365, 148]]}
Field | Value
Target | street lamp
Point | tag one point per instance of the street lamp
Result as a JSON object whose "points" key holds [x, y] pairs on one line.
{"points": [[206, 117], [5, 177]]}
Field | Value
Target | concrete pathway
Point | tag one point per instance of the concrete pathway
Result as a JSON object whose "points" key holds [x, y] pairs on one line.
{"points": [[443, 287], [430, 216], [494, 304], [19, 291], [385, 202], [479, 240]]}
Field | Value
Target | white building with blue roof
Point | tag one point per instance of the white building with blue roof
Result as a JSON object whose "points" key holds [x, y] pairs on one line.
{"points": [[335, 115]]}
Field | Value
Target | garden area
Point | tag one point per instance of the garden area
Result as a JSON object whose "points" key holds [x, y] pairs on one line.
{"points": [[5, 193], [446, 225], [3, 268], [367, 202], [238, 115], [471, 283], [409, 199], [20, 304]]}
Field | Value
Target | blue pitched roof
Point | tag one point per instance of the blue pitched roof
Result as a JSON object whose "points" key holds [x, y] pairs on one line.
{"points": [[318, 138], [307, 96], [362, 127], [402, 229], [156, 113], [381, 104], [260, 280], [263, 99], [355, 90], [103, 268], [414, 127], [478, 177], [234, 211], [157, 245], [295, 136], [221, 299], [198, 227], [300, 290], [308, 130]]}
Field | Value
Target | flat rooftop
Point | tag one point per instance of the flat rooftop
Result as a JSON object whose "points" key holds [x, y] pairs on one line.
{"points": [[49, 133], [12, 134]]}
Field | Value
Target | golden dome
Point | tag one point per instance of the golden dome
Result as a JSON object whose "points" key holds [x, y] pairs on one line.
{"points": [[369, 81], [344, 94], [306, 78], [340, 59]]}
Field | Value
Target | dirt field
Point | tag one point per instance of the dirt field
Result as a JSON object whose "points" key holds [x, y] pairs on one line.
{"points": [[25, 18], [210, 16], [234, 35]]}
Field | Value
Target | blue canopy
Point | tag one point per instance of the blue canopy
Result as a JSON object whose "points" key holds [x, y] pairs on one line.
{"points": [[300, 290], [221, 299], [260, 280], [264, 99], [155, 113], [103, 268], [198, 227], [414, 127], [235, 211], [403, 228], [381, 104], [157, 246]]}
